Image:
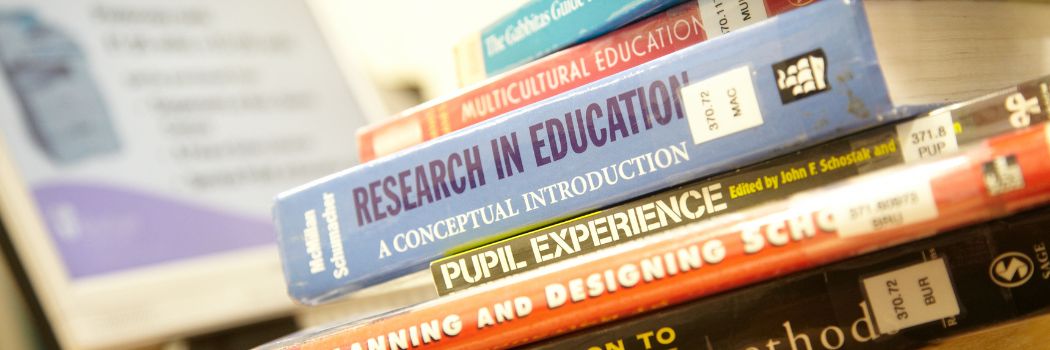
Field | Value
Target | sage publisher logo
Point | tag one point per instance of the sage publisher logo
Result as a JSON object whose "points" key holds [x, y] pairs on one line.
{"points": [[802, 76], [1011, 269]]}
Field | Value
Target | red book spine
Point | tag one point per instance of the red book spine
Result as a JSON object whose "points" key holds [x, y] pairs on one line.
{"points": [[997, 177], [568, 69]]}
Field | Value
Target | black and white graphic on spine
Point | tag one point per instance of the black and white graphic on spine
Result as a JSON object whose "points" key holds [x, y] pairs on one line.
{"points": [[1002, 175], [1011, 269], [802, 76], [1021, 109]]}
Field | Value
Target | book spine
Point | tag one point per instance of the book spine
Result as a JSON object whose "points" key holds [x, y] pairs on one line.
{"points": [[692, 113], [992, 179], [941, 131], [625, 48], [900, 298], [540, 27]]}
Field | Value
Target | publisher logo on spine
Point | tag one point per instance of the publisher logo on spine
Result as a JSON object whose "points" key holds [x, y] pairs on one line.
{"points": [[1021, 109], [802, 76], [1002, 175], [1011, 269]]}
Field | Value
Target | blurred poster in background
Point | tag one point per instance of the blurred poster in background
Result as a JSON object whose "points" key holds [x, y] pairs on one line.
{"points": [[141, 145]]}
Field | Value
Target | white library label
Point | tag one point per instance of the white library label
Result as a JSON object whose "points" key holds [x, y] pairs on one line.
{"points": [[721, 105], [911, 296]]}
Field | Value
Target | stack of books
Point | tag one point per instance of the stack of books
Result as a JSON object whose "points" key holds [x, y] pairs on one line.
{"points": [[721, 174]]}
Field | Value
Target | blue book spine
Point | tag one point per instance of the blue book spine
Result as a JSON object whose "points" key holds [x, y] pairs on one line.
{"points": [[541, 27], [794, 81]]}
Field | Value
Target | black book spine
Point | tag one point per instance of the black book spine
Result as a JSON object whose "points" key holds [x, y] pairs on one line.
{"points": [[903, 297]]}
